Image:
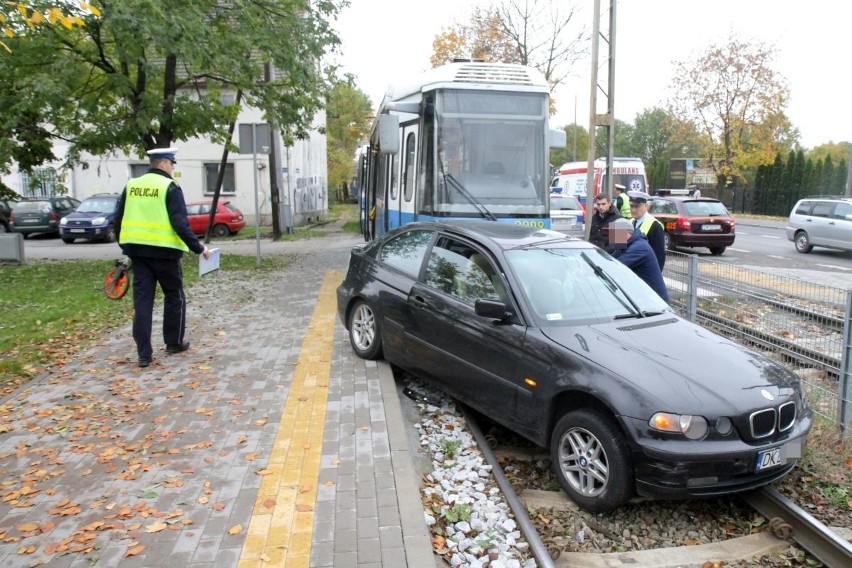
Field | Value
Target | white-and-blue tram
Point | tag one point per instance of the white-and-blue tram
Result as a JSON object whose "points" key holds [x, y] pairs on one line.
{"points": [[468, 140]]}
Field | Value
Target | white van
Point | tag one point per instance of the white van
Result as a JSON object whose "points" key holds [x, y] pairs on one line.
{"points": [[571, 178]]}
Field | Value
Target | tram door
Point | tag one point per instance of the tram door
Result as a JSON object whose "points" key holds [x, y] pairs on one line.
{"points": [[405, 196], [382, 182]]}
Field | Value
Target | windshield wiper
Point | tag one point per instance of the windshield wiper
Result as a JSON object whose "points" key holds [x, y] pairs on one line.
{"points": [[470, 198], [633, 308]]}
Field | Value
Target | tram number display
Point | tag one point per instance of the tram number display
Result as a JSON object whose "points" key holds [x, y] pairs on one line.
{"points": [[769, 458], [539, 224]]}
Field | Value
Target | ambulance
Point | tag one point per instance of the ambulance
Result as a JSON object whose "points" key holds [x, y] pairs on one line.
{"points": [[571, 177]]}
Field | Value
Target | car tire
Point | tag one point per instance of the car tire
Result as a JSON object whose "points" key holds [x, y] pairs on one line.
{"points": [[717, 251], [221, 230], [109, 237], [364, 333], [803, 242], [68, 240], [591, 461], [667, 238]]}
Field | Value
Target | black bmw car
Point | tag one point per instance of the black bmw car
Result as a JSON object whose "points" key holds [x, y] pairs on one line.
{"points": [[561, 343]]}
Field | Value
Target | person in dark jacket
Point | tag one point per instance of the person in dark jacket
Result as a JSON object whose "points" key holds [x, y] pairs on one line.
{"points": [[648, 225], [153, 230], [605, 213], [638, 256]]}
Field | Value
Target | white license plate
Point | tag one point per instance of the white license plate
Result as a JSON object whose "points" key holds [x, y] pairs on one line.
{"points": [[77, 230], [711, 227], [769, 458]]}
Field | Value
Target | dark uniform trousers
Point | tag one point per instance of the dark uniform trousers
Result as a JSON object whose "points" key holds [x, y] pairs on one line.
{"points": [[147, 273]]}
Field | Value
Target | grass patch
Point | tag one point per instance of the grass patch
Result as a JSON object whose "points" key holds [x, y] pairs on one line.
{"points": [[53, 309]]}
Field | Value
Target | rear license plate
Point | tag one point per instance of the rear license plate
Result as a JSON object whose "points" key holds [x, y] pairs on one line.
{"points": [[769, 458], [711, 227], [29, 220]]}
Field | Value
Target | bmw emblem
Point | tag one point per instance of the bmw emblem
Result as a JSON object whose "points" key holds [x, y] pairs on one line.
{"points": [[767, 395]]}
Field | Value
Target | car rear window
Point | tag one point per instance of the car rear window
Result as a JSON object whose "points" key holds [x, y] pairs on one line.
{"points": [[705, 208], [564, 203], [231, 208], [32, 206], [804, 208]]}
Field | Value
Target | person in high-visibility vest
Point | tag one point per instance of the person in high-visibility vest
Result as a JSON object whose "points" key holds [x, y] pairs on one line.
{"points": [[621, 200], [648, 225], [153, 230]]}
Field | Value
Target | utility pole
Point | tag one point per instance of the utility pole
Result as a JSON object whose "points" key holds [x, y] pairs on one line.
{"points": [[275, 194], [607, 119]]}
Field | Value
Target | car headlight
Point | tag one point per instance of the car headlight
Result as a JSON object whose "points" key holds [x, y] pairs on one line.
{"points": [[63, 221], [693, 427], [98, 220]]}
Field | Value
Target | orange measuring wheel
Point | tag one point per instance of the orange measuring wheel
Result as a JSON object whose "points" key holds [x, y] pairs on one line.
{"points": [[117, 280]]}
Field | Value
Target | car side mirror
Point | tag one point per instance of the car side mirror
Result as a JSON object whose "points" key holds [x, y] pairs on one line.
{"points": [[494, 309]]}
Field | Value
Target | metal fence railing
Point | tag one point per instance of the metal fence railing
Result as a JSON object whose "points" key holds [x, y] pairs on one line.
{"points": [[803, 324]]}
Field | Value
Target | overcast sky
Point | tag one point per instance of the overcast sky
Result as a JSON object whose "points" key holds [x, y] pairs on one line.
{"points": [[385, 40]]}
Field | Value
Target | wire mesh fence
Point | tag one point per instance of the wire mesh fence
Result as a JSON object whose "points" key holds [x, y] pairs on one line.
{"points": [[802, 324]]}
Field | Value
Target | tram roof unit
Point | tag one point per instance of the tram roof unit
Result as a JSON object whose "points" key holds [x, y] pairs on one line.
{"points": [[468, 75]]}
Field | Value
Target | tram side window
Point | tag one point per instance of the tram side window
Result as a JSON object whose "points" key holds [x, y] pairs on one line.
{"points": [[408, 180]]}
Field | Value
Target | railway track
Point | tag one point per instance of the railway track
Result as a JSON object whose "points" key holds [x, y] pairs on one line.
{"points": [[786, 523], [796, 317]]}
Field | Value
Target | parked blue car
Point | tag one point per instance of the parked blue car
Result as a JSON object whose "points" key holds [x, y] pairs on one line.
{"points": [[94, 219]]}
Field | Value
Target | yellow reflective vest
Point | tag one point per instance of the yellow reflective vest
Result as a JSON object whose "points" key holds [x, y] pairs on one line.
{"points": [[146, 218], [647, 223], [625, 206]]}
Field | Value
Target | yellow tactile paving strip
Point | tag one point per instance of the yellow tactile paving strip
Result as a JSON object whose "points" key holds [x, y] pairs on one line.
{"points": [[282, 522]]}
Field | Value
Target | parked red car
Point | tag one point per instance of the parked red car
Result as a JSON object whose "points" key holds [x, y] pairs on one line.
{"points": [[228, 220], [691, 222]]}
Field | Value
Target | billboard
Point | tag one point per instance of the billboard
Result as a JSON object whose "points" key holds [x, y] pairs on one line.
{"points": [[691, 173]]}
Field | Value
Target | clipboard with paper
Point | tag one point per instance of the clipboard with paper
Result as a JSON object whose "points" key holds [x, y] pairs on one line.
{"points": [[207, 265]]}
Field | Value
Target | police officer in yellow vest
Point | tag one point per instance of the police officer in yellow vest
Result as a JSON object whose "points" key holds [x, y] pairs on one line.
{"points": [[621, 202], [648, 225], [153, 231]]}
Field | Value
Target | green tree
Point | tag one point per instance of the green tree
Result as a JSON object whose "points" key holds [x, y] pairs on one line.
{"points": [[347, 126], [577, 139], [144, 74]]}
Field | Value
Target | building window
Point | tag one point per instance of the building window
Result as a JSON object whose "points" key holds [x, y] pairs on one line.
{"points": [[211, 175], [43, 182], [139, 170]]}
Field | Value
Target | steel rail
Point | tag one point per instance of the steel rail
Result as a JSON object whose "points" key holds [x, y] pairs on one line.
{"points": [[537, 547], [812, 535]]}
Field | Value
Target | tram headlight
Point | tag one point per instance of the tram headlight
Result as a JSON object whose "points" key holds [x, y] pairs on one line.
{"points": [[693, 427]]}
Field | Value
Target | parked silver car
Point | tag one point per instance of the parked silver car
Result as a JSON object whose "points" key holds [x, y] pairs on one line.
{"points": [[822, 221]]}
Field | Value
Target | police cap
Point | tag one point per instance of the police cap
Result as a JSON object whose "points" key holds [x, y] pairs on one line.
{"points": [[162, 153], [637, 196]]}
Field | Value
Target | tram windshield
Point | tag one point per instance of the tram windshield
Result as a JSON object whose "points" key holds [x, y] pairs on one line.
{"points": [[491, 154]]}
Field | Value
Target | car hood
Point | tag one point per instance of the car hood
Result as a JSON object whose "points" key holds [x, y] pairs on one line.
{"points": [[679, 366], [86, 215]]}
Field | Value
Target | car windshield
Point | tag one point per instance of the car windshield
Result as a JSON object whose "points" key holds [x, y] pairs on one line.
{"points": [[564, 203], [97, 206], [581, 286], [705, 208]]}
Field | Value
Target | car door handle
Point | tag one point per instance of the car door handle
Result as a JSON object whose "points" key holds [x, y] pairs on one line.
{"points": [[419, 301]]}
